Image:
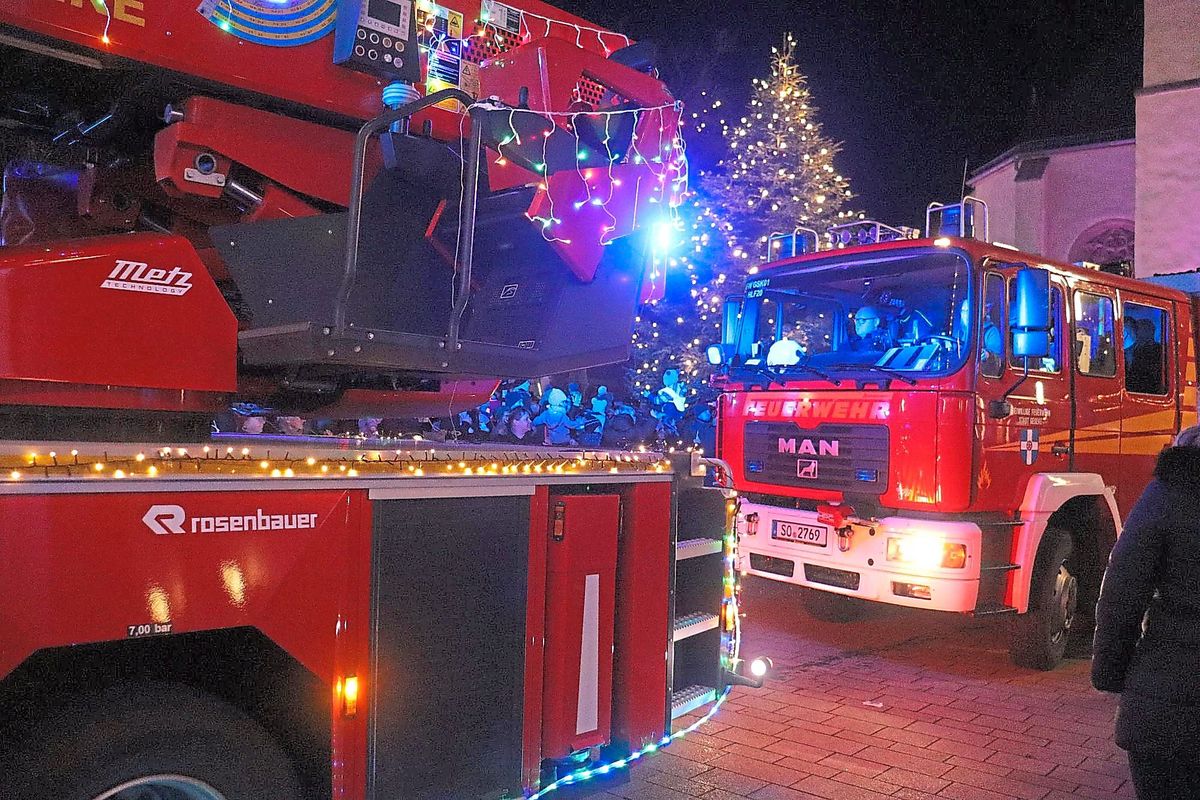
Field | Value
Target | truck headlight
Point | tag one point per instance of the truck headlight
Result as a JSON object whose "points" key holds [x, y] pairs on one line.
{"points": [[927, 551]]}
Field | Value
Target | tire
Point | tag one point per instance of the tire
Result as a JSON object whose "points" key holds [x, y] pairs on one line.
{"points": [[186, 744], [1038, 639], [830, 607]]}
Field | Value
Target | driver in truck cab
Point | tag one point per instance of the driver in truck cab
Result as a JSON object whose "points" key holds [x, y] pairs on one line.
{"points": [[871, 333]]}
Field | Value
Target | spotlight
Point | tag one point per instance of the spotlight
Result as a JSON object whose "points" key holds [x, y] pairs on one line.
{"points": [[760, 666]]}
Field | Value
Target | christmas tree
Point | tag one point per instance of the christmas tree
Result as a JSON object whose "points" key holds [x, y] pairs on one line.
{"points": [[776, 173], [779, 172]]}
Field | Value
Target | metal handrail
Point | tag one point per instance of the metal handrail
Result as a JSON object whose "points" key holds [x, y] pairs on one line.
{"points": [[962, 218], [466, 227], [354, 215], [794, 236]]}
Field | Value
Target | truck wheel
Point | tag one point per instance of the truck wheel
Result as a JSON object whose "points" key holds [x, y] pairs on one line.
{"points": [[149, 741], [1038, 638], [830, 607]]}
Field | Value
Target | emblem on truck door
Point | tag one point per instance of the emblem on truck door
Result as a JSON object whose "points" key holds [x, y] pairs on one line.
{"points": [[1029, 446]]}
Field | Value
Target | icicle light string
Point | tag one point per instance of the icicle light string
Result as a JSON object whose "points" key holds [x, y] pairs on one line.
{"points": [[676, 149]]}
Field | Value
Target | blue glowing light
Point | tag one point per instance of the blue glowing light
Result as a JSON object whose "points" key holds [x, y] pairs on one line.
{"points": [[663, 235]]}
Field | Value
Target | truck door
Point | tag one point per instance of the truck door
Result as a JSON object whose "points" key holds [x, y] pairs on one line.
{"points": [[1098, 387], [1148, 365]]}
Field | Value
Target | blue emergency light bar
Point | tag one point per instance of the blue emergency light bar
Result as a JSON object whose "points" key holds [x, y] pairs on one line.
{"points": [[963, 219]]}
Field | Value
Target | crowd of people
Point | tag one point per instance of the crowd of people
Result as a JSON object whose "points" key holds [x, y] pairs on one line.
{"points": [[534, 413]]}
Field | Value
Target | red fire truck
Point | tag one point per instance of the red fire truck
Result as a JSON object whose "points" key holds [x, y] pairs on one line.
{"points": [[947, 423], [334, 209]]}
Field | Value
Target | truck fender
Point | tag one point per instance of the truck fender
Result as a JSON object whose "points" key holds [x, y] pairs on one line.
{"points": [[1045, 494]]}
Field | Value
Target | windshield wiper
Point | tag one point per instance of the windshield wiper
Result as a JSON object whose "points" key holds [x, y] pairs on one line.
{"points": [[893, 373], [813, 371], [777, 377], [771, 377]]}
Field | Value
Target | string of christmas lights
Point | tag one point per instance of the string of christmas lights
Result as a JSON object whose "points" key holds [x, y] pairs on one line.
{"points": [[600, 185], [525, 29], [215, 461], [102, 5]]}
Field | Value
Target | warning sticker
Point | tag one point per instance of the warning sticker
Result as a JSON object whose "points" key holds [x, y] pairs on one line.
{"points": [[502, 17], [439, 33]]}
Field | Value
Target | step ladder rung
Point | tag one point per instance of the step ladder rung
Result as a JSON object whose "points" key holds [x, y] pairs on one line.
{"points": [[691, 625], [694, 548], [691, 698]]}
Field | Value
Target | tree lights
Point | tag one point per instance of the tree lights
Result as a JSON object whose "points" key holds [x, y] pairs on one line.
{"points": [[777, 174]]}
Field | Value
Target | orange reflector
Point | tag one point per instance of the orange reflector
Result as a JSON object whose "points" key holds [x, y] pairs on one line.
{"points": [[348, 691]]}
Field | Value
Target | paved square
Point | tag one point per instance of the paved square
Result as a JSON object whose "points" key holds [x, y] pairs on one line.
{"points": [[904, 705]]}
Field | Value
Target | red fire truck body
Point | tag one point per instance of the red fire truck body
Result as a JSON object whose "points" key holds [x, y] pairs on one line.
{"points": [[933, 484], [325, 623], [331, 209]]}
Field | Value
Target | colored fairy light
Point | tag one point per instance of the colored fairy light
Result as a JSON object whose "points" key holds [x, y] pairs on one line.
{"points": [[102, 6]]}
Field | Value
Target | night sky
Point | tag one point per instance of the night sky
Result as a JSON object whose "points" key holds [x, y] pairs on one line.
{"points": [[911, 88]]}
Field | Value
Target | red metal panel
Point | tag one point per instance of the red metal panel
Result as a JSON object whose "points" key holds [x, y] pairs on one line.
{"points": [[81, 568], [316, 161], [955, 450], [86, 567], [172, 34], [581, 581], [75, 314], [643, 594]]}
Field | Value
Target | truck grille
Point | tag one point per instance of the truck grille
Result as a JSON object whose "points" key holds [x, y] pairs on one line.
{"points": [[848, 458]]}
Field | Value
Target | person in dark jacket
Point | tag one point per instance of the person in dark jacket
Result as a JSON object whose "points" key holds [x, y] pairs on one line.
{"points": [[1147, 644]]}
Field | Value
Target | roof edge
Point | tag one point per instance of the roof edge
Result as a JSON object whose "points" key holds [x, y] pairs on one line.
{"points": [[1041, 146]]}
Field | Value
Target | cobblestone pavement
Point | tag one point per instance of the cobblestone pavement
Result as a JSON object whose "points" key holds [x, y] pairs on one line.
{"points": [[903, 704]]}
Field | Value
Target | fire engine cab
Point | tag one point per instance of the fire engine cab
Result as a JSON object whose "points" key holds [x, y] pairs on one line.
{"points": [[946, 423]]}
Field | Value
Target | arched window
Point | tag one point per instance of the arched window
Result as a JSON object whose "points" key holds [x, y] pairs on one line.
{"points": [[1106, 242]]}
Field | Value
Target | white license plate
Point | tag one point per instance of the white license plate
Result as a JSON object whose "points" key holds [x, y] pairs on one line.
{"points": [[816, 535]]}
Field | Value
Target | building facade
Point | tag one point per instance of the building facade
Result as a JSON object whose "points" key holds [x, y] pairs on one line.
{"points": [[1083, 198], [1168, 140], [1070, 199]]}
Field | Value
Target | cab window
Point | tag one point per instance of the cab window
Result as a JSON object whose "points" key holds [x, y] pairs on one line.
{"points": [[1095, 335], [1053, 362], [1144, 343], [991, 336]]}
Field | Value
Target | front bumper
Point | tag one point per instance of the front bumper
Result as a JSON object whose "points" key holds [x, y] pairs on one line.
{"points": [[863, 570]]}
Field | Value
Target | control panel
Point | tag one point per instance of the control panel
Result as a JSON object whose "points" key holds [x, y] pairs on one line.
{"points": [[378, 37]]}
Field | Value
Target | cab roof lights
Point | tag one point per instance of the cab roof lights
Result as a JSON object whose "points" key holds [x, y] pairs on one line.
{"points": [[965, 220]]}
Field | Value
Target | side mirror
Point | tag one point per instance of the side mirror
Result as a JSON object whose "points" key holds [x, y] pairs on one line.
{"points": [[1031, 314], [729, 321], [715, 354]]}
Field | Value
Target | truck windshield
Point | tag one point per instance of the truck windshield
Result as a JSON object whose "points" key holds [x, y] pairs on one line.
{"points": [[902, 312]]}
